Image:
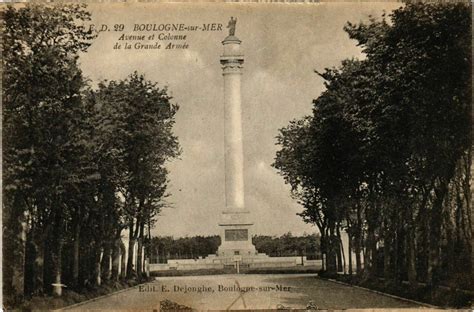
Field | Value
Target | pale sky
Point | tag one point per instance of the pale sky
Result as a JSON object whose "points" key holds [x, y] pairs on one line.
{"points": [[283, 44]]}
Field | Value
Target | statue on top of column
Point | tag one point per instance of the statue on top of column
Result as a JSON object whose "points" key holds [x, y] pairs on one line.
{"points": [[231, 26]]}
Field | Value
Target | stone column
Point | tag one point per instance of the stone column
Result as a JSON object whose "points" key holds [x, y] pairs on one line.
{"points": [[236, 236], [232, 61]]}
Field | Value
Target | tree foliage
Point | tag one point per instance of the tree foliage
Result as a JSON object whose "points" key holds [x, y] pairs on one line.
{"points": [[386, 152], [80, 165]]}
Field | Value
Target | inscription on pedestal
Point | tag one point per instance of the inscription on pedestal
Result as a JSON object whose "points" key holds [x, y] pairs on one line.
{"points": [[236, 235]]}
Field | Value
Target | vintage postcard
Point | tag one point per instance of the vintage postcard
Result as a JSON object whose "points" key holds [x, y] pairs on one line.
{"points": [[236, 156]]}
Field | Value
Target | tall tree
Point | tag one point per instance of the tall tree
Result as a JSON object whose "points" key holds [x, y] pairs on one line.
{"points": [[42, 107], [387, 148], [139, 116]]}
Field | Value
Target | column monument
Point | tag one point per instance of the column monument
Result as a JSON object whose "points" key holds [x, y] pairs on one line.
{"points": [[235, 224]]}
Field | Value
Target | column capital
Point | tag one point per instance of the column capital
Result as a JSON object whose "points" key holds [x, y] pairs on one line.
{"points": [[230, 59], [229, 69]]}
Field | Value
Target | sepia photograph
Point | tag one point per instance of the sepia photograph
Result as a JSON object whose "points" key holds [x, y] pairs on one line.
{"points": [[231, 156]]}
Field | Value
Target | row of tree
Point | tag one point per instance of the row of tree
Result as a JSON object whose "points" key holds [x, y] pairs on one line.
{"points": [[288, 245], [81, 165], [163, 248], [386, 154]]}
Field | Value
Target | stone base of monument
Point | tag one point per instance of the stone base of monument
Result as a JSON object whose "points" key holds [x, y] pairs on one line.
{"points": [[236, 236]]}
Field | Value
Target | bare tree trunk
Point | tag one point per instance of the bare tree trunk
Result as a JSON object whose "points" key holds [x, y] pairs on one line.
{"points": [[322, 244], [358, 240], [358, 260], [56, 240], [387, 259], [331, 261], [30, 256], [123, 268], [371, 243], [350, 251], [366, 252], [131, 253], [75, 264], [371, 253], [140, 251], [139, 257], [19, 265], [116, 259], [13, 249], [411, 257], [341, 261], [435, 234], [57, 266], [47, 265], [97, 267], [423, 225], [106, 262], [39, 245]]}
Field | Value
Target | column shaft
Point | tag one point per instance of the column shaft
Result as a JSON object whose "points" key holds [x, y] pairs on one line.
{"points": [[234, 166]]}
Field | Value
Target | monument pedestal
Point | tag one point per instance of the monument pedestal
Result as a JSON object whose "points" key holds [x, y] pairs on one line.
{"points": [[236, 236]]}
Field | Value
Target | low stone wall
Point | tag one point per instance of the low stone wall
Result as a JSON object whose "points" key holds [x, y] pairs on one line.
{"points": [[272, 264], [313, 262], [154, 267], [159, 267], [200, 266], [213, 262], [294, 260]]}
